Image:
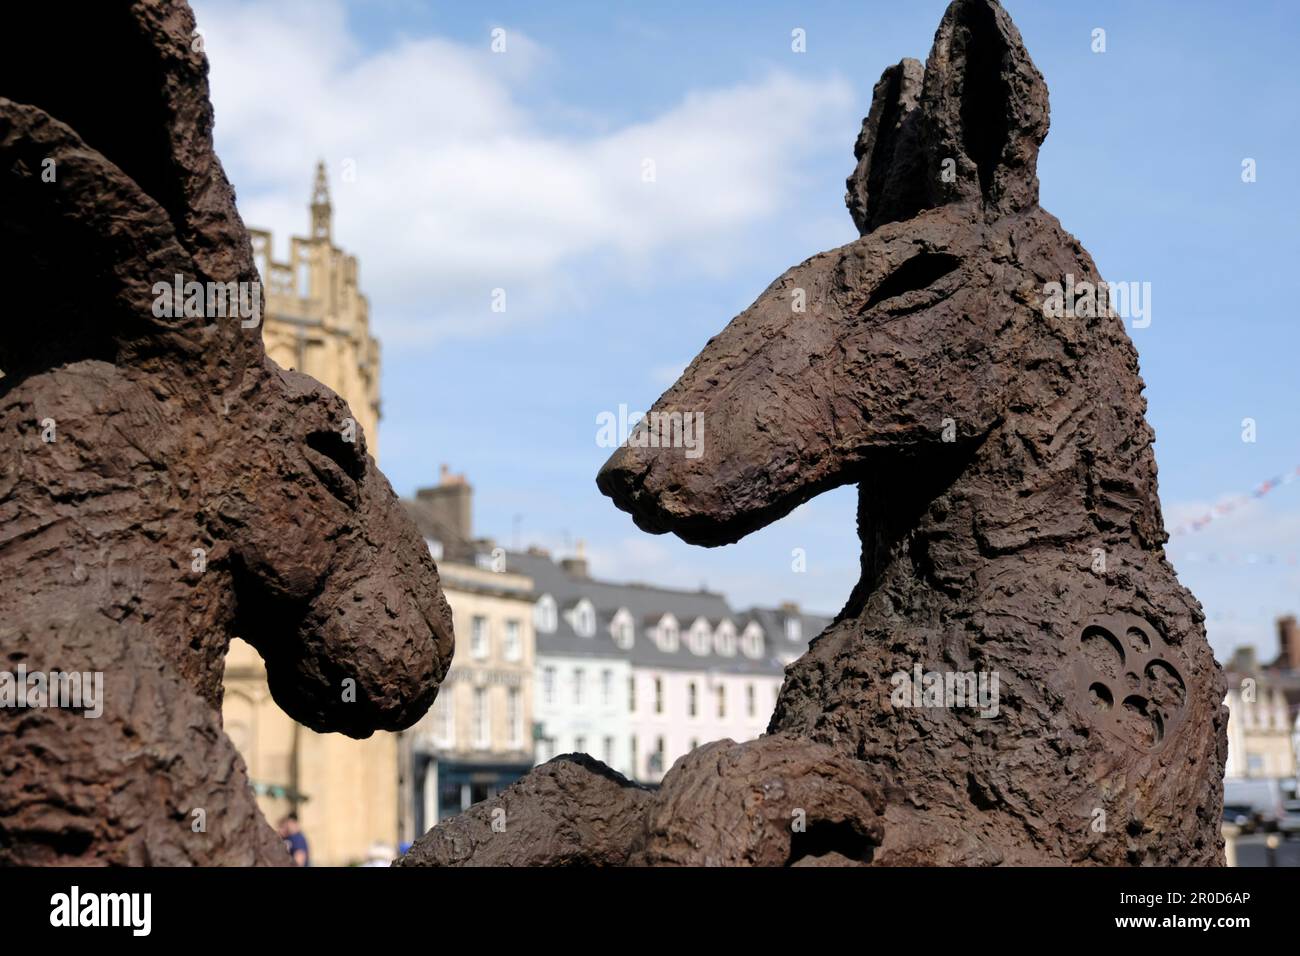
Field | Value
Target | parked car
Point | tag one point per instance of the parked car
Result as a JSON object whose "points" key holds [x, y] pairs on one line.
{"points": [[1262, 794], [1289, 822], [1241, 815]]}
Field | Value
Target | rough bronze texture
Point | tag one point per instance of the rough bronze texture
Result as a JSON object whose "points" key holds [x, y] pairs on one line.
{"points": [[163, 486], [1008, 515], [592, 819]]}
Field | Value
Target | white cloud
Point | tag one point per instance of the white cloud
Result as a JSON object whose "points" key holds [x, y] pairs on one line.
{"points": [[460, 189]]}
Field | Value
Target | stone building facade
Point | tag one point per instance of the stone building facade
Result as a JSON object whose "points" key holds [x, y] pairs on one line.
{"points": [[345, 791], [477, 738]]}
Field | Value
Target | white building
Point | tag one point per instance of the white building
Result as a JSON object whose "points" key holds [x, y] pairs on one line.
{"points": [[637, 676]]}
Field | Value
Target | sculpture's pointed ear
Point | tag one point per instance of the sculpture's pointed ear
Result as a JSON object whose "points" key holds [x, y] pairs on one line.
{"points": [[984, 109], [889, 182], [109, 186]]}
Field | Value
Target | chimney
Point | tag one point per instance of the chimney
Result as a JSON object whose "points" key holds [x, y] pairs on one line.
{"points": [[576, 566], [790, 607], [1288, 637], [1244, 661], [450, 504]]}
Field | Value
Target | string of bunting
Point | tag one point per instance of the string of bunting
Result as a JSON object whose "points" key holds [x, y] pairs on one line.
{"points": [[1232, 504], [1236, 557]]}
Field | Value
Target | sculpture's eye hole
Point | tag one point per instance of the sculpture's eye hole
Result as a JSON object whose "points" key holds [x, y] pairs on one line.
{"points": [[919, 272], [343, 453], [337, 463]]}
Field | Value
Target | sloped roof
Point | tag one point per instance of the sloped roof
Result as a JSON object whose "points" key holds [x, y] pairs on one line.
{"points": [[648, 603]]}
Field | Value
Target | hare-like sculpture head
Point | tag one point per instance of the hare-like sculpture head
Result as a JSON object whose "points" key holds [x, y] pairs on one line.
{"points": [[159, 469], [852, 361]]}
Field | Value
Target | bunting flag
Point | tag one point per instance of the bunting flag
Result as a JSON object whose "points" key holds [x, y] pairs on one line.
{"points": [[1232, 504], [1237, 557]]}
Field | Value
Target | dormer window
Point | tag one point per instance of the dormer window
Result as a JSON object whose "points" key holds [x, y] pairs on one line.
{"points": [[724, 638], [544, 615], [667, 634], [435, 548], [583, 619], [698, 638], [751, 641], [622, 630], [793, 629]]}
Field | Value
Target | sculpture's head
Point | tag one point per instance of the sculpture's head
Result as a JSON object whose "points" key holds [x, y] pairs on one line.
{"points": [[873, 356], [176, 436]]}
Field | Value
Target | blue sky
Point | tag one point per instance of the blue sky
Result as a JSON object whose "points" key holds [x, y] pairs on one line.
{"points": [[522, 170]]}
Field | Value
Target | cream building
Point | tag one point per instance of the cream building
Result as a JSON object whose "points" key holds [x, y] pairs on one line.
{"points": [[477, 738], [344, 791]]}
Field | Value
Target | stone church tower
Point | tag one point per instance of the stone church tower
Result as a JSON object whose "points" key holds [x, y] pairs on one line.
{"points": [[315, 318]]}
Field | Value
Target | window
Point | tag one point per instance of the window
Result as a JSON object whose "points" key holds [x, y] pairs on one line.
{"points": [[699, 638], [722, 700], [579, 677], [514, 718], [667, 639], [657, 758], [793, 628], [512, 647], [607, 687], [478, 637], [580, 744], [659, 695], [621, 629], [481, 727], [751, 700], [584, 619], [724, 638], [548, 684], [695, 742], [608, 751], [631, 695], [636, 771], [544, 614], [444, 719], [692, 700]]}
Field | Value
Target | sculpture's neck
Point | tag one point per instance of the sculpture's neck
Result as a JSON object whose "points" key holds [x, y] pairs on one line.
{"points": [[1075, 482]]}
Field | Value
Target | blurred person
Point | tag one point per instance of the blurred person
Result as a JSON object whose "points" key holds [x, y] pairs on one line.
{"points": [[294, 840]]}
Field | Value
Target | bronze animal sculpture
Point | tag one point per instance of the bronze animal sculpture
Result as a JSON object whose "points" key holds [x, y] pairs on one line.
{"points": [[163, 486], [1009, 521]]}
